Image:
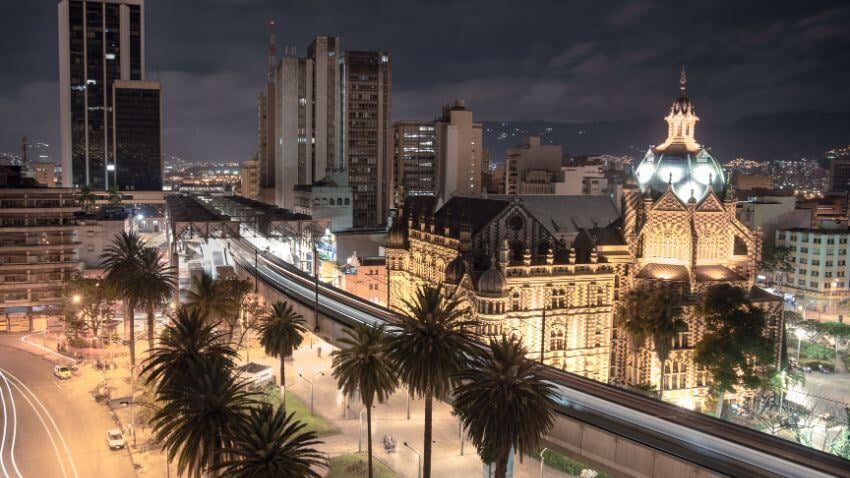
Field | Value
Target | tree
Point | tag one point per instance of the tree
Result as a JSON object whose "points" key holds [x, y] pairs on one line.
{"points": [[120, 261], [835, 331], [188, 338], [503, 404], [431, 343], [91, 302], [236, 292], [281, 333], [267, 443], [361, 365], [114, 196], [86, 198], [153, 282], [201, 406], [734, 348], [653, 312], [775, 260], [208, 296]]}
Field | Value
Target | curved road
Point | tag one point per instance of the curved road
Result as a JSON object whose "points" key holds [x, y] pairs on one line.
{"points": [[51, 427]]}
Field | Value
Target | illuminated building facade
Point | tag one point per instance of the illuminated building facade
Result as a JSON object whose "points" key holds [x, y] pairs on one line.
{"points": [[533, 267], [551, 269], [681, 226]]}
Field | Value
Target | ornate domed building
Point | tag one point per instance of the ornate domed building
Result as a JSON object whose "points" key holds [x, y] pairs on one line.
{"points": [[680, 224]]}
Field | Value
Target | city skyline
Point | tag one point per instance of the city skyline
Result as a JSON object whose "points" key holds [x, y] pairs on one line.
{"points": [[556, 65]]}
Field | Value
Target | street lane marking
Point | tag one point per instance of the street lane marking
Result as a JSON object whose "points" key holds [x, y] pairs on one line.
{"points": [[14, 425], [3, 439], [18, 383], [25, 339]]}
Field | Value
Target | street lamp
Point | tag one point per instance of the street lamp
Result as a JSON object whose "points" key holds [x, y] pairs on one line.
{"points": [[360, 431], [542, 460], [801, 334], [419, 462], [311, 387], [76, 298]]}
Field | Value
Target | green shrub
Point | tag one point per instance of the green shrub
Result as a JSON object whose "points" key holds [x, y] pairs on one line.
{"points": [[566, 464], [816, 351]]}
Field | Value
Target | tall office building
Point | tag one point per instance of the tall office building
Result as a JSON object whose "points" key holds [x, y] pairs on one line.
{"points": [[266, 126], [415, 160], [137, 132], [839, 174], [460, 147], [331, 112], [100, 42], [367, 137]]}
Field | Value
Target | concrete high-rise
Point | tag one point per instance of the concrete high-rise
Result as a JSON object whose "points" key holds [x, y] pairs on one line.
{"points": [[415, 160], [331, 113], [100, 42], [460, 149]]}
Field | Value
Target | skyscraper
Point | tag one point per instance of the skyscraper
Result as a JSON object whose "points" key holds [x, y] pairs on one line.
{"points": [[331, 113], [137, 133], [415, 160], [100, 42], [460, 147]]}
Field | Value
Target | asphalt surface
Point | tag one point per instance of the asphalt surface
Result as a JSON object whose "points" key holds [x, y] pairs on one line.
{"points": [[52, 427]]}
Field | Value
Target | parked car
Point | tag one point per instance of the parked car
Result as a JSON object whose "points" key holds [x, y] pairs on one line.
{"points": [[115, 439], [256, 375], [62, 371]]}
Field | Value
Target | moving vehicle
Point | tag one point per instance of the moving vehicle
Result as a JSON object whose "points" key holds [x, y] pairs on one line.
{"points": [[256, 375], [115, 439], [62, 371]]}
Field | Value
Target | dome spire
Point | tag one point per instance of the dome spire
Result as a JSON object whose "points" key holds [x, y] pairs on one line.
{"points": [[683, 80]]}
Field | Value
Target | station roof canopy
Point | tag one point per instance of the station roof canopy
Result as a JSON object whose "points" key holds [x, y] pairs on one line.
{"points": [[189, 213], [267, 218]]}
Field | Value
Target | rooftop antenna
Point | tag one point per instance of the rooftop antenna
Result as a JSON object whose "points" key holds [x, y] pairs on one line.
{"points": [[272, 52]]}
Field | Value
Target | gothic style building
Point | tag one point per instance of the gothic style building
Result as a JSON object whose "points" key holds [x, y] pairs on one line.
{"points": [[551, 269], [679, 222]]}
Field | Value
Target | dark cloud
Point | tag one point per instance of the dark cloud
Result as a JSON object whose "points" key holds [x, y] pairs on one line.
{"points": [[553, 60]]}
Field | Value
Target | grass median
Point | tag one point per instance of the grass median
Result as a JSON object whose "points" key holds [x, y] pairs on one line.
{"points": [[317, 423], [356, 465]]}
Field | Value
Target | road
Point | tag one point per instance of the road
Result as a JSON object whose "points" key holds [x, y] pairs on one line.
{"points": [[51, 427]]}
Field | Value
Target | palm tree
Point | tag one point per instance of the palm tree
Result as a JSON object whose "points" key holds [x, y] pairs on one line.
{"points": [[114, 196], [503, 404], [201, 406], [153, 283], [208, 296], [267, 443], [433, 341], [281, 332], [361, 365], [86, 197], [120, 261], [189, 337], [653, 312]]}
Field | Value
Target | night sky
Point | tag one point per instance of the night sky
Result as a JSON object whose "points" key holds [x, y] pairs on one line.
{"points": [[522, 60]]}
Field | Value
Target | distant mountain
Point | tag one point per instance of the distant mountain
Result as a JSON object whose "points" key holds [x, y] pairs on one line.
{"points": [[763, 137]]}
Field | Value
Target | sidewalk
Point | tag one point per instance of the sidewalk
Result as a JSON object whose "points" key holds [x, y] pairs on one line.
{"points": [[387, 419]]}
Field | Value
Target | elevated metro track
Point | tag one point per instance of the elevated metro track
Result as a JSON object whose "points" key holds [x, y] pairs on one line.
{"points": [[716, 446]]}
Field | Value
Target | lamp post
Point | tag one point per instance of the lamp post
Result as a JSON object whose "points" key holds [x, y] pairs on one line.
{"points": [[360, 431], [542, 460], [311, 387], [801, 334], [419, 462]]}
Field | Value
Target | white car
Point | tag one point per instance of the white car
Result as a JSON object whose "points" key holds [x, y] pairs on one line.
{"points": [[115, 439], [62, 371]]}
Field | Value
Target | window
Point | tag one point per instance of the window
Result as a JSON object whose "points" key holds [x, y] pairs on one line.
{"points": [[826, 285], [827, 274], [801, 282], [815, 262], [813, 284], [815, 274], [842, 240], [803, 272], [680, 341], [675, 375], [830, 240], [804, 250], [816, 240], [556, 339]]}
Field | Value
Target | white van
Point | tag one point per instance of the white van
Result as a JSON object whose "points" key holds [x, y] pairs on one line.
{"points": [[256, 375]]}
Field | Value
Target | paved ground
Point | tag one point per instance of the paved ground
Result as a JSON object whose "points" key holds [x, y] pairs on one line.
{"points": [[52, 427]]}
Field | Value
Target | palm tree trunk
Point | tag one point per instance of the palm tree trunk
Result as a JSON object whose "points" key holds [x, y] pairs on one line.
{"points": [[426, 448], [719, 407], [151, 328], [131, 312], [283, 383], [369, 436], [502, 464]]}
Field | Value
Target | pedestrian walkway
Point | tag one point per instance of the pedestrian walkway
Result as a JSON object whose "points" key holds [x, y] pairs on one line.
{"points": [[452, 457]]}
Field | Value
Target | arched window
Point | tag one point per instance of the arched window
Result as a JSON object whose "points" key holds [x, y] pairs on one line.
{"points": [[332, 202], [515, 300], [347, 201], [680, 340], [556, 339]]}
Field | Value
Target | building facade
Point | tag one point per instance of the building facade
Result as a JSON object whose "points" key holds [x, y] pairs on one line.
{"points": [[460, 144], [137, 132], [249, 176], [331, 112], [100, 42], [415, 160], [365, 277], [552, 269], [532, 167], [819, 261], [38, 251]]}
